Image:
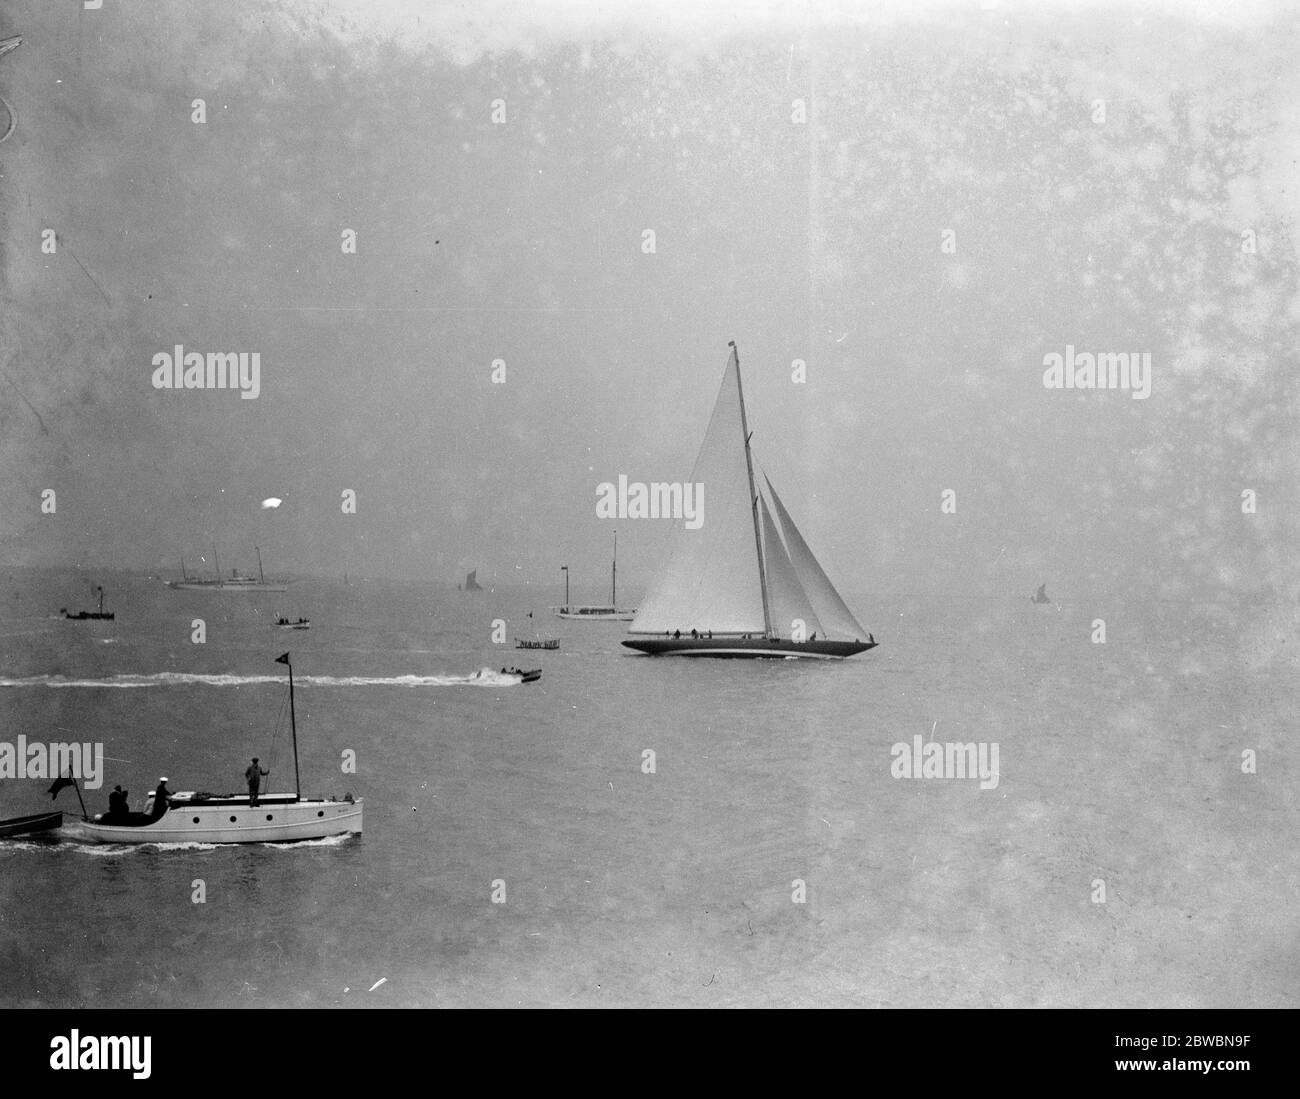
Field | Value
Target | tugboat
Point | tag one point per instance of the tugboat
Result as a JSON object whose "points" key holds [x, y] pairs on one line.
{"points": [[85, 616], [190, 817]]}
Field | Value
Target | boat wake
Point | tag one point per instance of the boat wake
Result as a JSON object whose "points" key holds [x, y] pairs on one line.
{"points": [[70, 840], [484, 677]]}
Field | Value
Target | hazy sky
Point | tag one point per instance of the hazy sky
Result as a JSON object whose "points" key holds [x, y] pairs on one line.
{"points": [[1112, 231]]}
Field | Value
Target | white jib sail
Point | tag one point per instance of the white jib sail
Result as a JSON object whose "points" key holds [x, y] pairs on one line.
{"points": [[831, 610], [793, 615]]}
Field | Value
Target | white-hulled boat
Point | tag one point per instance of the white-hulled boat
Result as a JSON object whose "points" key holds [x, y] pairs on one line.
{"points": [[191, 817], [597, 612], [235, 582], [211, 818], [745, 584]]}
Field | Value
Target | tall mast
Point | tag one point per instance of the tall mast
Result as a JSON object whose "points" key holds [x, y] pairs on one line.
{"points": [[613, 588], [101, 599], [84, 815], [184, 575], [216, 561], [565, 569], [260, 576], [753, 497]]}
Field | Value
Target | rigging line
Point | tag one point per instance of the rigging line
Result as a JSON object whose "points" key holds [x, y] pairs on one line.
{"points": [[275, 737]]}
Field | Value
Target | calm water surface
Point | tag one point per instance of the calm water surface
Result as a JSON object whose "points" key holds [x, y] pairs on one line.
{"points": [[1119, 762]]}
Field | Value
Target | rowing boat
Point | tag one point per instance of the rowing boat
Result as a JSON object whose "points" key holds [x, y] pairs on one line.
{"points": [[34, 822]]}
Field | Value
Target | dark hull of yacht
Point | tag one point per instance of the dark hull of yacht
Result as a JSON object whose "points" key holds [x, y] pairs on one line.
{"points": [[748, 647]]}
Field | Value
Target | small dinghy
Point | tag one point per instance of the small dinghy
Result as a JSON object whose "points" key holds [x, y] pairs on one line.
{"points": [[36, 822]]}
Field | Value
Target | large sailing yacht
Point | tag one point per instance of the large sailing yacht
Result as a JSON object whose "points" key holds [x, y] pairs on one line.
{"points": [[745, 584]]}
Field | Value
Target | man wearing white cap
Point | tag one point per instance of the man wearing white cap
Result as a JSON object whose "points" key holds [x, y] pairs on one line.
{"points": [[160, 796]]}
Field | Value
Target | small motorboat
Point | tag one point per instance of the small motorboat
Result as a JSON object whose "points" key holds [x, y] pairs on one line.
{"points": [[540, 643], [36, 822], [524, 677], [301, 624]]}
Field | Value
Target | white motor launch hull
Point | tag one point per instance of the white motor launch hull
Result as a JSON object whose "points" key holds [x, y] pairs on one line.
{"points": [[233, 820]]}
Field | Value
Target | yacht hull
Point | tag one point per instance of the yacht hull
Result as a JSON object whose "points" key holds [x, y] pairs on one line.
{"points": [[233, 820], [748, 647]]}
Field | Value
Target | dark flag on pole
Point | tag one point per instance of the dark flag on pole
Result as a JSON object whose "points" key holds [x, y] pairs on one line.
{"points": [[282, 659], [58, 784]]}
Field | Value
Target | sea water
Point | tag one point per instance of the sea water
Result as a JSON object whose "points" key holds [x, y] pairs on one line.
{"points": [[656, 831]]}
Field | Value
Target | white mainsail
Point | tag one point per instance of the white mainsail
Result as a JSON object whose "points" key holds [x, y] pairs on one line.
{"points": [[712, 578], [831, 610]]}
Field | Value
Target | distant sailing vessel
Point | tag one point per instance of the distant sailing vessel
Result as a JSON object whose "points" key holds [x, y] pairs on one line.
{"points": [[471, 583], [745, 584], [232, 583], [595, 611], [190, 817], [1040, 596], [85, 616]]}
